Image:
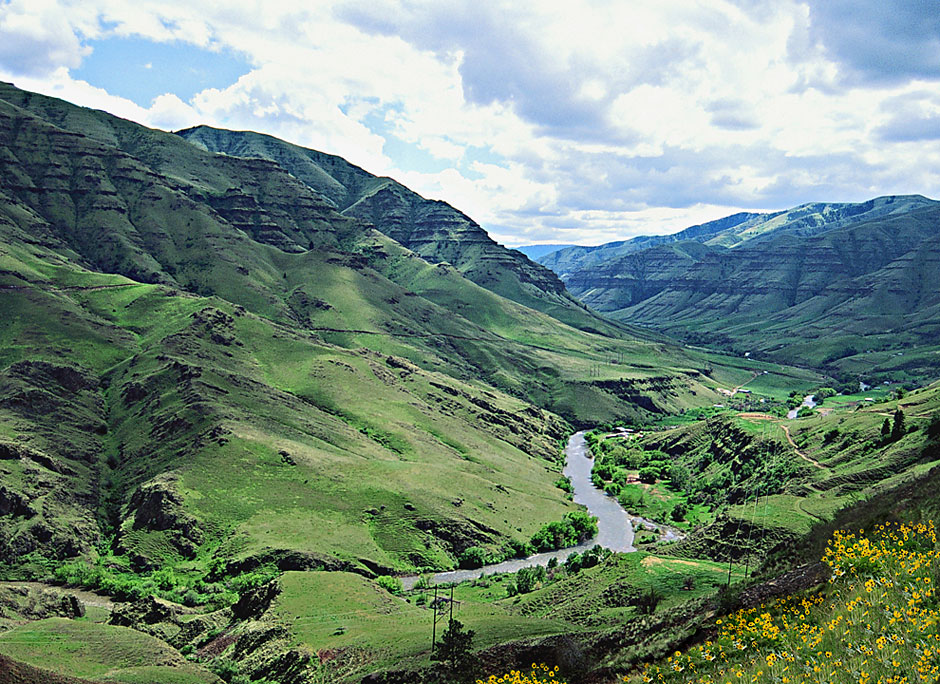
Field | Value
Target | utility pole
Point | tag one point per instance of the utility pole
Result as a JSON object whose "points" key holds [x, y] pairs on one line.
{"points": [[434, 621]]}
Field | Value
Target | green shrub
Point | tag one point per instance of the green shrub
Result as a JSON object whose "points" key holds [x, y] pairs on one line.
{"points": [[390, 584], [472, 557]]}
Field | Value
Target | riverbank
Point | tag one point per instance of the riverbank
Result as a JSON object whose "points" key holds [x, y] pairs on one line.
{"points": [[615, 526]]}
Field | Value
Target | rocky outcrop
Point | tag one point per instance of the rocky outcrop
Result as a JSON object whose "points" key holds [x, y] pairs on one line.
{"points": [[157, 505], [32, 602], [432, 229]]}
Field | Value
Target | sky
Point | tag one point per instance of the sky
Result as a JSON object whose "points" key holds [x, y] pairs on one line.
{"points": [[575, 121]]}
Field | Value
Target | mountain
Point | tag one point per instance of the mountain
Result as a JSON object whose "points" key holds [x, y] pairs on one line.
{"points": [[571, 259], [839, 286], [202, 357], [730, 231], [432, 229], [240, 412]]}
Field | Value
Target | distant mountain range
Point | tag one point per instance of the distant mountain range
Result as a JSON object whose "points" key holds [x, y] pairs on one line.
{"points": [[841, 286], [538, 251]]}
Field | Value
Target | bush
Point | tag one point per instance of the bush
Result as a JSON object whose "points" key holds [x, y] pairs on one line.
{"points": [[933, 427], [648, 475], [390, 584], [647, 601], [528, 579], [224, 669], [518, 549], [472, 557]]}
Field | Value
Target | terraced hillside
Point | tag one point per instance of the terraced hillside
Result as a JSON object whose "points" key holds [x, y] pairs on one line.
{"points": [[432, 229]]}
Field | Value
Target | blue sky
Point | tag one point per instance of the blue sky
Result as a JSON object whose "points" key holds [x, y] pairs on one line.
{"points": [[581, 121], [141, 70]]}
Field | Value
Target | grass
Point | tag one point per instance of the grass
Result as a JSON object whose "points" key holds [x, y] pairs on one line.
{"points": [[364, 628], [82, 648], [346, 614]]}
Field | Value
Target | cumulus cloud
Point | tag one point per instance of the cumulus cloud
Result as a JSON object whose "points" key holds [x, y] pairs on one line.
{"points": [[884, 41], [559, 121], [36, 38]]}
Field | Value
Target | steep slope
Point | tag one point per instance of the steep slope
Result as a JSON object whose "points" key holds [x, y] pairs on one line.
{"points": [[432, 229], [796, 292], [154, 208], [202, 360]]}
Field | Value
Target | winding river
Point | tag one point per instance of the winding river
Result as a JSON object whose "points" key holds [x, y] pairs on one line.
{"points": [[614, 525], [808, 401]]}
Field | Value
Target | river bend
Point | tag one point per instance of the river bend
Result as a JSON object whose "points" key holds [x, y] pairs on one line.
{"points": [[614, 525]]}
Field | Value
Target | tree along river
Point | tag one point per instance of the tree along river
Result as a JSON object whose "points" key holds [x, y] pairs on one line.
{"points": [[808, 401], [614, 525]]}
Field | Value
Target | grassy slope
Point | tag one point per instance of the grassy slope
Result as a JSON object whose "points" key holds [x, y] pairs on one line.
{"points": [[432, 229], [364, 432], [105, 653], [839, 459], [363, 627]]}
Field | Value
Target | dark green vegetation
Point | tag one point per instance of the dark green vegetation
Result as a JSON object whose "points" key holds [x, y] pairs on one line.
{"points": [[576, 527], [847, 288]]}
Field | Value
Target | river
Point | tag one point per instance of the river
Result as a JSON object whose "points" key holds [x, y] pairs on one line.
{"points": [[614, 525], [808, 401]]}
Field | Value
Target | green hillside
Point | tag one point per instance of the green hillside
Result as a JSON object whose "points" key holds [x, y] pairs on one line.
{"points": [[204, 361], [244, 387], [432, 229]]}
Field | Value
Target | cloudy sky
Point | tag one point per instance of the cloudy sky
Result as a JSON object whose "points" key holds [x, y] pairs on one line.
{"points": [[574, 121]]}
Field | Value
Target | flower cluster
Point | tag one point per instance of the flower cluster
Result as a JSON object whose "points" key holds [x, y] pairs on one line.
{"points": [[877, 622], [539, 674]]}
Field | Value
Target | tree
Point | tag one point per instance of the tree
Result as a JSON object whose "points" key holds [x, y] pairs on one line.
{"points": [[886, 429], [679, 477], [454, 651], [472, 557], [528, 579], [933, 428], [898, 430]]}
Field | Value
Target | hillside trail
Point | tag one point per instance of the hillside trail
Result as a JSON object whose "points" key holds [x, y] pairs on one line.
{"points": [[808, 459], [798, 504], [734, 390]]}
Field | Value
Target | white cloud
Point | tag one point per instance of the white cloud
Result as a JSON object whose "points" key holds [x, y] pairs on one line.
{"points": [[560, 121]]}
